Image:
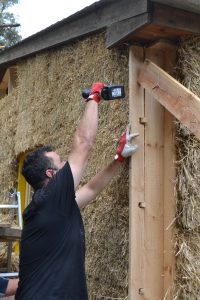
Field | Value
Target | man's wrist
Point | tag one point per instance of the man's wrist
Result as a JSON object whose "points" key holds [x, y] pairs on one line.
{"points": [[95, 97], [119, 158]]}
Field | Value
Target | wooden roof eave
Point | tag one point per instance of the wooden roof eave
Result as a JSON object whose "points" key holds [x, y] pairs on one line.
{"points": [[159, 22]]}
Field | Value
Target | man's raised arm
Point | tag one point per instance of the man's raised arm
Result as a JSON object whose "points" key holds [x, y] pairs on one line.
{"points": [[85, 134]]}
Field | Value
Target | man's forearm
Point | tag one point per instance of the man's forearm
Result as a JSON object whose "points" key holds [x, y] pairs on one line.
{"points": [[96, 185], [87, 128], [83, 141], [103, 178], [12, 287]]}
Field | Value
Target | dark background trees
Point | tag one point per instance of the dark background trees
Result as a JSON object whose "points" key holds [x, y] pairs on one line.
{"points": [[9, 34]]}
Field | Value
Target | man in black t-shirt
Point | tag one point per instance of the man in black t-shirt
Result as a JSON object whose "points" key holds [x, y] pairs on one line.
{"points": [[52, 249]]}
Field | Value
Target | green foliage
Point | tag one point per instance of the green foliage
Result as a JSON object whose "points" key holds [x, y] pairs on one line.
{"points": [[8, 35]]}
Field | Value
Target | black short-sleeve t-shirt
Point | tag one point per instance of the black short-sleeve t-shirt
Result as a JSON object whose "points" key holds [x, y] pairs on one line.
{"points": [[52, 249]]}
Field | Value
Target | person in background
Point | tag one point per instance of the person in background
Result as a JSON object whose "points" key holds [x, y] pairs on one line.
{"points": [[52, 248], [8, 287]]}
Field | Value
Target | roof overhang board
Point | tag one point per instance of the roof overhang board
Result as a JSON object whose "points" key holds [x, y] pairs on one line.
{"points": [[122, 31], [177, 99], [162, 22]]}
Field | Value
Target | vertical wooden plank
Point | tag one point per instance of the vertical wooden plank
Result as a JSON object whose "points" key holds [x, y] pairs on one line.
{"points": [[169, 204], [154, 170], [169, 181], [9, 256], [164, 55], [161, 198], [152, 175], [136, 221]]}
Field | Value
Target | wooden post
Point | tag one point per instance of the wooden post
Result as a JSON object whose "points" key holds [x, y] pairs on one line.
{"points": [[137, 197], [151, 185]]}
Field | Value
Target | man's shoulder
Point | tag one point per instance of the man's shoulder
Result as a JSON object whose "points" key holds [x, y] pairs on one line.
{"points": [[63, 175]]}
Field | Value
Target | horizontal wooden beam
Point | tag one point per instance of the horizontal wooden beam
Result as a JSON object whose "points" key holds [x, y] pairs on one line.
{"points": [[7, 233], [176, 98]]}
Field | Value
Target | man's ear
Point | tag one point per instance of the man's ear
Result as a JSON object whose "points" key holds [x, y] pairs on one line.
{"points": [[49, 173]]}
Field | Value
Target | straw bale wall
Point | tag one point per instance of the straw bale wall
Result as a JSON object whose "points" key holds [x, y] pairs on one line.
{"points": [[187, 237], [8, 123], [45, 109]]}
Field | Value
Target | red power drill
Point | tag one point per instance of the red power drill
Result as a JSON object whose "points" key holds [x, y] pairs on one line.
{"points": [[109, 92]]}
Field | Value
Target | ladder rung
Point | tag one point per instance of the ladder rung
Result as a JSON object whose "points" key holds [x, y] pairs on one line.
{"points": [[8, 206], [14, 274]]}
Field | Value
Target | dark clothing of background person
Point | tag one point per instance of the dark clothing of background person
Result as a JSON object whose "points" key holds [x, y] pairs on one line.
{"points": [[3, 286]]}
